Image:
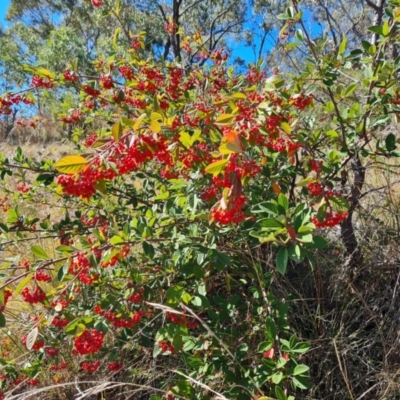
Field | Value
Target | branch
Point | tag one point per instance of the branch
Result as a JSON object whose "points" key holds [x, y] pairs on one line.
{"points": [[372, 5], [190, 6]]}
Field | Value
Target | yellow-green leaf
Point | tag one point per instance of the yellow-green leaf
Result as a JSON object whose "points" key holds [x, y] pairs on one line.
{"points": [[22, 284], [226, 148], [185, 139], [238, 95], [155, 126], [224, 119], [45, 72], [139, 122], [39, 252], [116, 131], [155, 116], [216, 167], [101, 186], [286, 127], [80, 329], [70, 164]]}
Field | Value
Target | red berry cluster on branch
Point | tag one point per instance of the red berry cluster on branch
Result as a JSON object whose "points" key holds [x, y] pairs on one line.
{"points": [[90, 342], [37, 296], [90, 366], [331, 219]]}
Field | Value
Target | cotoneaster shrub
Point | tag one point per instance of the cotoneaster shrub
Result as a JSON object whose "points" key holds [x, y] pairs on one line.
{"points": [[164, 206]]}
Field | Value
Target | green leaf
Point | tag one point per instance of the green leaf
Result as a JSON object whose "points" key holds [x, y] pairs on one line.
{"points": [[350, 89], [2, 320], [269, 223], [277, 378], [343, 45], [300, 369], [283, 201], [279, 393], [64, 248], [300, 382], [148, 250], [22, 284], [39, 252], [186, 297], [282, 260], [319, 242], [306, 181], [75, 327], [270, 329], [174, 293], [390, 142], [185, 139], [339, 203], [12, 216], [116, 240], [376, 29]]}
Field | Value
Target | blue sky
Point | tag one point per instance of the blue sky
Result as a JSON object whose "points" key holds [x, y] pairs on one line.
{"points": [[239, 48], [4, 4]]}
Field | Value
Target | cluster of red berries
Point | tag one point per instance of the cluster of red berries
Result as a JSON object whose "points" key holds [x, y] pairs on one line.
{"points": [[137, 297], [74, 117], [253, 75], [59, 322], [316, 166], [210, 193], [27, 123], [232, 213], [126, 71], [90, 366], [166, 346], [90, 342], [106, 81], [315, 189], [51, 351], [70, 75], [135, 44], [115, 366], [117, 319], [7, 102], [302, 101], [58, 367], [41, 276], [84, 184], [91, 91], [39, 82], [181, 320], [169, 27], [37, 296], [331, 219], [60, 302], [97, 3], [91, 139], [23, 187], [219, 56], [282, 145]]}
